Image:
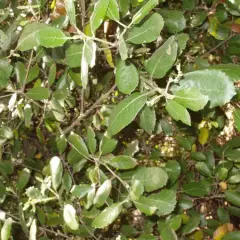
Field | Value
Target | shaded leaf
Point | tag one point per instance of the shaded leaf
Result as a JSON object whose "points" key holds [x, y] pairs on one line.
{"points": [[233, 197], [148, 119]]}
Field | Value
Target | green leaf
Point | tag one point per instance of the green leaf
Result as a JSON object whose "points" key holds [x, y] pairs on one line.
{"points": [[90, 198], [212, 83], [232, 236], [102, 193], [188, 4], [132, 148], [124, 6], [99, 12], [125, 112], [147, 7], [57, 109], [78, 144], [136, 190], [230, 69], [107, 216], [6, 229], [185, 143], [5, 73], [67, 181], [178, 112], [147, 31], [191, 98], [236, 115], [123, 49], [234, 179], [192, 224], [182, 39], [33, 230], [126, 77], [122, 162], [51, 37], [164, 202], [74, 55], [198, 156], [91, 140], [175, 222], [28, 39], [56, 172], [233, 155], [113, 10], [61, 143], [217, 29], [233, 197], [71, 12], [167, 233], [174, 20], [52, 74], [195, 189], [162, 59], [151, 178], [28, 115], [6, 132], [223, 215], [203, 169], [33, 73], [107, 145], [69, 216], [38, 93], [148, 119], [173, 169], [80, 190], [88, 59], [23, 179]]}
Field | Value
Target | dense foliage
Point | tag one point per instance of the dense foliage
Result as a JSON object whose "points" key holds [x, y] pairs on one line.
{"points": [[120, 119]]}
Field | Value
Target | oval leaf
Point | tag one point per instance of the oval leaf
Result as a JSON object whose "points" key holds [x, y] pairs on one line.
{"points": [[69, 216], [125, 112], [107, 216]]}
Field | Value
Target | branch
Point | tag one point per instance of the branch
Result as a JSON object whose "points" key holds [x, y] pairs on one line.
{"points": [[84, 115]]}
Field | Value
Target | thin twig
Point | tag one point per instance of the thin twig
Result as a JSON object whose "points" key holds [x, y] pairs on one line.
{"points": [[83, 11], [81, 117], [218, 45], [28, 69], [82, 101]]}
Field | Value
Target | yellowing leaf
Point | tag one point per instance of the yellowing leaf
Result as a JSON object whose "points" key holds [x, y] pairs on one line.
{"points": [[222, 230], [108, 54], [203, 135], [87, 30], [198, 235]]}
